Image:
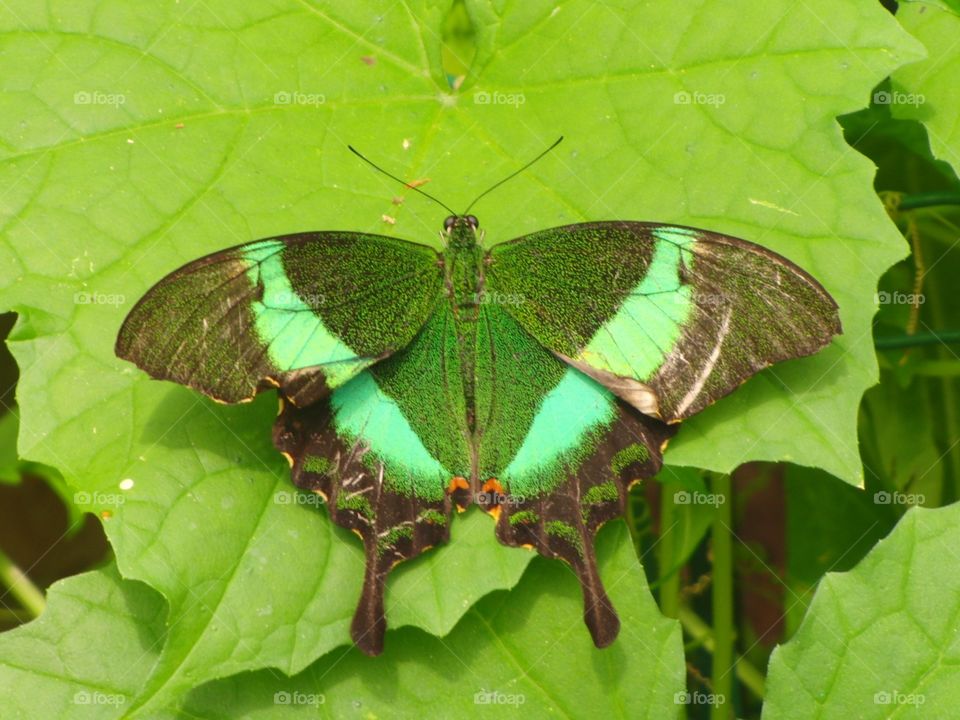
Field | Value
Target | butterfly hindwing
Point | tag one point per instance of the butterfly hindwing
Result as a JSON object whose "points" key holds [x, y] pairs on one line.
{"points": [[557, 453], [302, 312], [670, 318], [384, 449]]}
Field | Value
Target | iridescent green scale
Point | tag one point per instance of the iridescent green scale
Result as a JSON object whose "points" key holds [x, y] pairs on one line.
{"points": [[538, 379]]}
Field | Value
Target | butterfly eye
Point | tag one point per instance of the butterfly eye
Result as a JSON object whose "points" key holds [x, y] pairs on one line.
{"points": [[473, 222], [449, 223]]}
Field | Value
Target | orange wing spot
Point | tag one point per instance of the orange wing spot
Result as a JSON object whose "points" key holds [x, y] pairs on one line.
{"points": [[457, 483], [528, 546], [492, 485], [106, 514], [494, 512]]}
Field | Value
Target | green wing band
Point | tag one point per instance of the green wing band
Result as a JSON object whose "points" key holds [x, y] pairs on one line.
{"points": [[669, 318], [304, 312]]}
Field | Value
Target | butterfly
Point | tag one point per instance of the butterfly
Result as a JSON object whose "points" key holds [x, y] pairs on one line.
{"points": [[537, 379]]}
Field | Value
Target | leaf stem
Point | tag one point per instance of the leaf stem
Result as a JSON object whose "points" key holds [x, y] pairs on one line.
{"points": [[892, 342], [669, 590], [20, 586], [702, 636], [928, 199], [722, 547]]}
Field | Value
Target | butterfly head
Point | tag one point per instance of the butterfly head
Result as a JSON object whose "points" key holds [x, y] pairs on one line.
{"points": [[461, 230]]}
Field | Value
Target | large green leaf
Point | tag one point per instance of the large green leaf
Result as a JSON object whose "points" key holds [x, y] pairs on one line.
{"points": [[880, 640], [525, 647], [90, 653], [928, 90], [134, 137]]}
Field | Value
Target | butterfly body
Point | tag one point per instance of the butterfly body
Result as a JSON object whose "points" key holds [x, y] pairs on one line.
{"points": [[463, 261], [537, 379]]}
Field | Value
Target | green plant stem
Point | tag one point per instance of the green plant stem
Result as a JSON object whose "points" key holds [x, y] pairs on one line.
{"points": [[669, 590], [722, 547], [891, 342], [28, 594], [947, 391], [929, 199], [13, 617], [702, 636]]}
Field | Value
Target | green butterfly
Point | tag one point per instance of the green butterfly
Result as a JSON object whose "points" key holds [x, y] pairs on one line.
{"points": [[538, 379]]}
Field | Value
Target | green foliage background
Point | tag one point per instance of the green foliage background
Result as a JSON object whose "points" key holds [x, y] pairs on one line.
{"points": [[137, 136]]}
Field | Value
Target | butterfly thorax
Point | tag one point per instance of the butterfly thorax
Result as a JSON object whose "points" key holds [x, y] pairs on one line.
{"points": [[463, 269]]}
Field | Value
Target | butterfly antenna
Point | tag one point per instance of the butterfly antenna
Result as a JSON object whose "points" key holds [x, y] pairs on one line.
{"points": [[512, 175], [402, 182]]}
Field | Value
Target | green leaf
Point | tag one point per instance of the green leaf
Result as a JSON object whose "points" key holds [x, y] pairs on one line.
{"points": [[830, 527], [88, 655], [526, 646], [879, 640], [135, 138], [927, 90]]}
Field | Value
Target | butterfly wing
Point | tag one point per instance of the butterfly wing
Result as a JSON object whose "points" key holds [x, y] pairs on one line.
{"points": [[669, 318], [386, 450], [303, 312], [556, 454]]}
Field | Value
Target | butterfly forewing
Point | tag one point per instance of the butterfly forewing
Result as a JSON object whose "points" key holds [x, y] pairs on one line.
{"points": [[302, 312], [670, 318]]}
